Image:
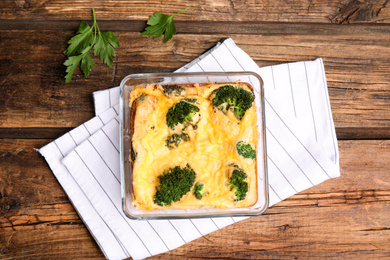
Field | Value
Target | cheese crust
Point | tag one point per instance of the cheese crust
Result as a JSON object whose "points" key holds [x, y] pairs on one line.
{"points": [[210, 152]]}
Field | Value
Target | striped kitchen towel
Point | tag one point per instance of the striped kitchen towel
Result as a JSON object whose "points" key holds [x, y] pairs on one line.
{"points": [[301, 147]]}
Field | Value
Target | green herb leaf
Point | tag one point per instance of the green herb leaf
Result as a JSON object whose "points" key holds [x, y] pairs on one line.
{"points": [[105, 42], [71, 64], [86, 64], [80, 41], [160, 24], [87, 38]]}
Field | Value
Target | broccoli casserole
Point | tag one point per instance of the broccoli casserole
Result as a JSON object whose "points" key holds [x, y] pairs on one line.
{"points": [[193, 146]]}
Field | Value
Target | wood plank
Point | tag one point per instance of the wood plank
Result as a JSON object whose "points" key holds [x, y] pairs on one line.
{"points": [[32, 203], [344, 217], [34, 93], [60, 242], [208, 27], [33, 132], [329, 11], [25, 178], [361, 133]]}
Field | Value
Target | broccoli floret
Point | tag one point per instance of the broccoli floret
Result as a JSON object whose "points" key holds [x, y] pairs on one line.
{"points": [[173, 90], [174, 184], [176, 139], [234, 98], [181, 113], [199, 191], [245, 150], [238, 182]]}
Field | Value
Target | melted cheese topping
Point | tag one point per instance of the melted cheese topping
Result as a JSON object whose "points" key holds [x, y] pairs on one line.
{"points": [[210, 152]]}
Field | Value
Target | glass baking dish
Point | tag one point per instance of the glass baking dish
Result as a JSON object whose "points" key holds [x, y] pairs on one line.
{"points": [[184, 78]]}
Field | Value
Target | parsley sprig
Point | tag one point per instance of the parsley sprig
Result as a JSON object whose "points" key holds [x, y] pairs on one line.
{"points": [[160, 24], [86, 39]]}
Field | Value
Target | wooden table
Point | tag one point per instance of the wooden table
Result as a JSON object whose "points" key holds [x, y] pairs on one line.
{"points": [[346, 217]]}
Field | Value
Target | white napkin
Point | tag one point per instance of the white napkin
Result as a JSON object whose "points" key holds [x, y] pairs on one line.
{"points": [[301, 142]]}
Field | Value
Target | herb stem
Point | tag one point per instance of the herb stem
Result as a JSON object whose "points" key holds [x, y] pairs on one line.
{"points": [[95, 28], [182, 11], [86, 50], [95, 25], [94, 16]]}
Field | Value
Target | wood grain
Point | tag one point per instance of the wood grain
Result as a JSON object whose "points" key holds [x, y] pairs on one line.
{"points": [[34, 93], [35, 132], [208, 27], [329, 11], [345, 217]]}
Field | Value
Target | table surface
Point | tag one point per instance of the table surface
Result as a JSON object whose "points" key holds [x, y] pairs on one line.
{"points": [[346, 217]]}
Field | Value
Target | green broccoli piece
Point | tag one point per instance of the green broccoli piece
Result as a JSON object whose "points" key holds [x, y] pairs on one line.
{"points": [[176, 139], [245, 150], [233, 98], [199, 191], [174, 184], [173, 90], [238, 182], [181, 113]]}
